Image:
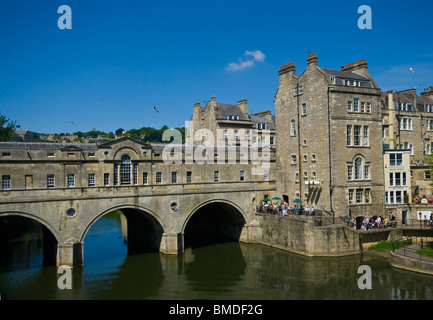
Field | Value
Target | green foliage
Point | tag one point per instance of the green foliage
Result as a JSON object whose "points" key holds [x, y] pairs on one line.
{"points": [[149, 134], [426, 251], [144, 134], [7, 127], [385, 245]]}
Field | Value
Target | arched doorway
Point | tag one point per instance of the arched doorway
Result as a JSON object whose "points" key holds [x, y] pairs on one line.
{"points": [[359, 222], [213, 222]]}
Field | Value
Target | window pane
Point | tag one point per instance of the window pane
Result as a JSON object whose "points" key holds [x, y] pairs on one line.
{"points": [[349, 135], [125, 170], [358, 168], [357, 135]]}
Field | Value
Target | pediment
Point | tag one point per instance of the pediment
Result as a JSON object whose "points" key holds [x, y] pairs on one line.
{"points": [[124, 141], [71, 148]]}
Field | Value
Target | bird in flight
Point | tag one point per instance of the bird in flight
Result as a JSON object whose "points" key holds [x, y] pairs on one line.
{"points": [[154, 108], [412, 69]]}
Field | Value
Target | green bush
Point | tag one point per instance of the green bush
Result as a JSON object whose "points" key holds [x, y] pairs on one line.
{"points": [[385, 245]]}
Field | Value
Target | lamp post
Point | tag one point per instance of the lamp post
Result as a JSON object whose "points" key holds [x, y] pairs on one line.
{"points": [[420, 226]]}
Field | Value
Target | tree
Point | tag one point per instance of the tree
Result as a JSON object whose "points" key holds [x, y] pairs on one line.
{"points": [[7, 127]]}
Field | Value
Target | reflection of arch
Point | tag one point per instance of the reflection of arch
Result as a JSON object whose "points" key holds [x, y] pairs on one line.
{"points": [[213, 221], [144, 227]]}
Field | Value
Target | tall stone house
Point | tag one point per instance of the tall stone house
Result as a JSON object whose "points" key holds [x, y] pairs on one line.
{"points": [[408, 125], [329, 138], [230, 125]]}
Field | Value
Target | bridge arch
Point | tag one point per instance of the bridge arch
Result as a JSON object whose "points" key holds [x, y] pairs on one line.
{"points": [[33, 217], [50, 236], [213, 221], [144, 229]]}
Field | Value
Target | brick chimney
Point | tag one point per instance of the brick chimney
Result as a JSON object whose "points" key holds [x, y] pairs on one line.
{"points": [[286, 73], [243, 105], [312, 61], [359, 67], [428, 92]]}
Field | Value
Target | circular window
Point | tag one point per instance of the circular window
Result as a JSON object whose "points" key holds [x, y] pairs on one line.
{"points": [[106, 153], [71, 213], [174, 207]]}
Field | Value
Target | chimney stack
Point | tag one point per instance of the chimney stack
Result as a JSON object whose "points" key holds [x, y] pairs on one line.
{"points": [[243, 105]]}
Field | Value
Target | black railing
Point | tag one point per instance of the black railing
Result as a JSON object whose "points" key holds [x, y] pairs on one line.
{"points": [[316, 215], [416, 224], [413, 248]]}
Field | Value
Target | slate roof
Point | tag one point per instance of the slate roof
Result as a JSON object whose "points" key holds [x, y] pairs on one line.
{"points": [[224, 110], [339, 75], [263, 119], [46, 145]]}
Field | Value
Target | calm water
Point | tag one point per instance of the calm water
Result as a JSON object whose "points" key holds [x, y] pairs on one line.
{"points": [[224, 271]]}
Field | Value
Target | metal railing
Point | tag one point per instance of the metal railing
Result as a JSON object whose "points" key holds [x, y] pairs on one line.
{"points": [[413, 249], [316, 216], [416, 224]]}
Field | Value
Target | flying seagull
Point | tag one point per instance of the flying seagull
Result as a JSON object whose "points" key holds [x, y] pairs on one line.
{"points": [[412, 69], [155, 109]]}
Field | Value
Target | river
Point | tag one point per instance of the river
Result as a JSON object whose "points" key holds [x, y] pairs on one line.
{"points": [[222, 271]]}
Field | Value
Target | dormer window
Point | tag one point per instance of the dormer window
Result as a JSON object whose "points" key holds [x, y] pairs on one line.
{"points": [[261, 126], [232, 117]]}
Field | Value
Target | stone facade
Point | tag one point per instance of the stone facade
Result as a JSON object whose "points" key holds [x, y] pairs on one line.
{"points": [[230, 125], [328, 126], [408, 124], [125, 162]]}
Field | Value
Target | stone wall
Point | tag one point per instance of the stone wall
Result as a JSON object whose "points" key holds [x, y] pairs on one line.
{"points": [[300, 235]]}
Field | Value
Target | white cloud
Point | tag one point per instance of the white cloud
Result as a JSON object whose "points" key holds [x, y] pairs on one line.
{"points": [[254, 56]]}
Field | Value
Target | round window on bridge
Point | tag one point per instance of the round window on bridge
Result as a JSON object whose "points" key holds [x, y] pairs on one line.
{"points": [[71, 213], [174, 206]]}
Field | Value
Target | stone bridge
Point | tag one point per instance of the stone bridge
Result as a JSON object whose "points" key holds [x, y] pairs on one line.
{"points": [[159, 217]]}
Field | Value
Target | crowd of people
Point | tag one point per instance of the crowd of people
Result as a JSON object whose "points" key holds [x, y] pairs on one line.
{"points": [[372, 223], [284, 209]]}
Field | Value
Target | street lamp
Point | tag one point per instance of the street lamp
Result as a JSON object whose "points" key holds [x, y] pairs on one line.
{"points": [[420, 226]]}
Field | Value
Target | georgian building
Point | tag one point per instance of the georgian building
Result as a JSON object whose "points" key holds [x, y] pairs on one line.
{"points": [[230, 125], [408, 124], [117, 163], [329, 138]]}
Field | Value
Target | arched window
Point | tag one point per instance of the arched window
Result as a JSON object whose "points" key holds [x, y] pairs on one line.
{"points": [[293, 122], [125, 169], [358, 168]]}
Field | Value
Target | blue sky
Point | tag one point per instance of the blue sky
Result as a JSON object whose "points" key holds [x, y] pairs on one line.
{"points": [[121, 57]]}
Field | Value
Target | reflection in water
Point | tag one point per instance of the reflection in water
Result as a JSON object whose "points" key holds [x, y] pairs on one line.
{"points": [[215, 270], [221, 271]]}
